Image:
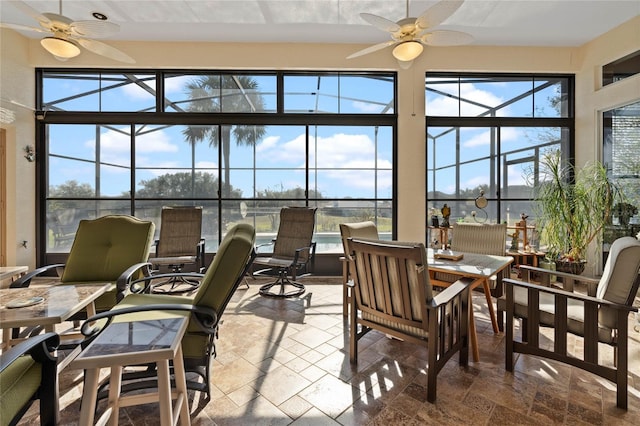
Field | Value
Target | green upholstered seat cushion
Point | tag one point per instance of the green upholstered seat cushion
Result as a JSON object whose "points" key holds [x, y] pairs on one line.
{"points": [[18, 383], [105, 247]]}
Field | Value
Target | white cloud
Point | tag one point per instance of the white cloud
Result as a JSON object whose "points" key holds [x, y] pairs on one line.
{"points": [[507, 134], [447, 106], [367, 107], [134, 91], [342, 153], [115, 146]]}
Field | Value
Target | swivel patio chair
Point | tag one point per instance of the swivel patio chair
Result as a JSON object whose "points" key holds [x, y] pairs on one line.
{"points": [[392, 294], [293, 251], [180, 243], [601, 316], [231, 262]]}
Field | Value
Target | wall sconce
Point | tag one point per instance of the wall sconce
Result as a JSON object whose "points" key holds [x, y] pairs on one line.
{"points": [[30, 153]]}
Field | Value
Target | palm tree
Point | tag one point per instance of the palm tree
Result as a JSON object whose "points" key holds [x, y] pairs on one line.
{"points": [[224, 93]]}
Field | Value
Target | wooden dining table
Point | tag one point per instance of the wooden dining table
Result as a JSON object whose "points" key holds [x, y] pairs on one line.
{"points": [[480, 268]]}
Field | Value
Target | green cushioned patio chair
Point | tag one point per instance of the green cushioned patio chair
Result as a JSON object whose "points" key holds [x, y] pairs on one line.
{"points": [[28, 373], [230, 263], [112, 248]]}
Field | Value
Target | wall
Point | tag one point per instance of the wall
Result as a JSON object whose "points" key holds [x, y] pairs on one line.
{"points": [[411, 132], [17, 84]]}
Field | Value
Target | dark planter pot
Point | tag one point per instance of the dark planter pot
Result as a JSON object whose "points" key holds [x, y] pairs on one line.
{"points": [[575, 268]]}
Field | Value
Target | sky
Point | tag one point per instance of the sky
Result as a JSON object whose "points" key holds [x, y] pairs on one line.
{"points": [[349, 154]]}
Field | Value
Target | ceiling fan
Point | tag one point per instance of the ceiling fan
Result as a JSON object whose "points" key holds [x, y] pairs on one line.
{"points": [[66, 35], [408, 35]]}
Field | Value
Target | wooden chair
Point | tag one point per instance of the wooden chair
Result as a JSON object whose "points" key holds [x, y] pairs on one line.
{"points": [[367, 230], [392, 294], [293, 251], [599, 317]]}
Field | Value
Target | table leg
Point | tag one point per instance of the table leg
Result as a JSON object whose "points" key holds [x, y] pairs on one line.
{"points": [[89, 396], [492, 312], [164, 393], [6, 339], [115, 382], [181, 387]]}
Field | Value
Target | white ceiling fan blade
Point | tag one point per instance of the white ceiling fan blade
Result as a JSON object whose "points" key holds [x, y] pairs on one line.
{"points": [[379, 22], [437, 13], [446, 38], [93, 28], [29, 11], [22, 28], [371, 49], [105, 50]]}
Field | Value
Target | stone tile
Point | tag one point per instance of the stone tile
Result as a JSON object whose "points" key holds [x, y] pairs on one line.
{"points": [[281, 384], [330, 395]]}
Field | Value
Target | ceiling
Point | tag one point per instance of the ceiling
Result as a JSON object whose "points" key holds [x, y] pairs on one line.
{"points": [[491, 22]]}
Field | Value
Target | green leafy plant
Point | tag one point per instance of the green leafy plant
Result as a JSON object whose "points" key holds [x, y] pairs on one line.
{"points": [[572, 212]]}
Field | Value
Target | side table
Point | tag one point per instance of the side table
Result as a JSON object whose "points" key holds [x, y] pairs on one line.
{"points": [[134, 343]]}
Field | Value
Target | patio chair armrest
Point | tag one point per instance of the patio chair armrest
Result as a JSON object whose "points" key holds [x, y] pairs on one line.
{"points": [[310, 250], [124, 280], [25, 280], [205, 317], [568, 282], [451, 292], [39, 347], [568, 294]]}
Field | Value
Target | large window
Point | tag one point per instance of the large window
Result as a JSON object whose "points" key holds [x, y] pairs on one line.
{"points": [[485, 133], [242, 145], [621, 156]]}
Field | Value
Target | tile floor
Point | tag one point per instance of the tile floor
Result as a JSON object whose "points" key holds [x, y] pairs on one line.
{"points": [[284, 362]]}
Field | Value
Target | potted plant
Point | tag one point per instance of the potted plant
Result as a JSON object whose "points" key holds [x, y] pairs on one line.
{"points": [[572, 213]]}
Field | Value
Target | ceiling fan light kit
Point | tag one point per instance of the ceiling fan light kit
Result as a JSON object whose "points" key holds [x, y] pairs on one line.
{"points": [[407, 51], [60, 48]]}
